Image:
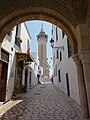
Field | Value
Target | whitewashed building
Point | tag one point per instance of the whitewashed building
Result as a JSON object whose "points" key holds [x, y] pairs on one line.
{"points": [[37, 70], [64, 74], [14, 53], [34, 68]]}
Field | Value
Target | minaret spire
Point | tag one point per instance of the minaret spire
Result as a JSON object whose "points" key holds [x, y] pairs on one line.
{"points": [[42, 27]]}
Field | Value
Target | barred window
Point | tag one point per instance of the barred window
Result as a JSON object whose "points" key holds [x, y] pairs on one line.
{"points": [[56, 34], [60, 56], [69, 48], [63, 34]]}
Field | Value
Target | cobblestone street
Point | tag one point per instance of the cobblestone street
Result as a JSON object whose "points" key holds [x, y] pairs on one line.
{"points": [[43, 102]]}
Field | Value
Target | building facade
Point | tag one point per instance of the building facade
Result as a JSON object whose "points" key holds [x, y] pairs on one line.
{"points": [[65, 73], [34, 66], [14, 53]]}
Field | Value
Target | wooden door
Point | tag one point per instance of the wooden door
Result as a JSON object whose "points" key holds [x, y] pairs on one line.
{"points": [[3, 80]]}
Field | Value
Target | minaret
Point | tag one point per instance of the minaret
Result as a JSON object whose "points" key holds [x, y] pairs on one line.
{"points": [[42, 41]]}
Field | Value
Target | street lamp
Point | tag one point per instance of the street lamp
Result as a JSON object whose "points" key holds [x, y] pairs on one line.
{"points": [[52, 45]]}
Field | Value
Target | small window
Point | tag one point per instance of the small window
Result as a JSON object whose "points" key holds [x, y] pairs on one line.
{"points": [[57, 54], [56, 34], [17, 30], [38, 67], [10, 34], [63, 34], [17, 42], [69, 48], [59, 76], [60, 56], [52, 31]]}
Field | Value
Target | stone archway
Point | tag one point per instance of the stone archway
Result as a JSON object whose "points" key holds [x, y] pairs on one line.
{"points": [[59, 13], [66, 14]]}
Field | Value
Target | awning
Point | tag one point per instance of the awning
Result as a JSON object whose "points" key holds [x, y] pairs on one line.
{"points": [[23, 57]]}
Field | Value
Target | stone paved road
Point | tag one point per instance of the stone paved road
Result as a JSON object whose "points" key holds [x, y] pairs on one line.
{"points": [[43, 102]]}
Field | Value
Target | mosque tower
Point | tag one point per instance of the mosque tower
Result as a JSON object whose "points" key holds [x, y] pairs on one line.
{"points": [[42, 51]]}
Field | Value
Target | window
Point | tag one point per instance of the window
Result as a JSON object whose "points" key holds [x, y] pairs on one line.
{"points": [[4, 55], [69, 48], [10, 34], [56, 70], [52, 31], [63, 34], [17, 30], [17, 42], [38, 67], [60, 56], [57, 54], [56, 34], [59, 76]]}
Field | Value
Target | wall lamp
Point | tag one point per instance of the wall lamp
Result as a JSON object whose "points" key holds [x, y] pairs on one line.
{"points": [[52, 45]]}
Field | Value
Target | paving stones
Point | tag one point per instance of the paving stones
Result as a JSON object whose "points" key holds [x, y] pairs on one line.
{"points": [[43, 102]]}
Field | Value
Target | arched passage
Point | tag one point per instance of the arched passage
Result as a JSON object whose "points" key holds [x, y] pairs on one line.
{"points": [[39, 13]]}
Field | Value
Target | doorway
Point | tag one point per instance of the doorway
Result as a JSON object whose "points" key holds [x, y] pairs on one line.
{"points": [[3, 80]]}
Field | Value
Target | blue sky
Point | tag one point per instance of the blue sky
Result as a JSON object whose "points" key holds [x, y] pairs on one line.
{"points": [[34, 28]]}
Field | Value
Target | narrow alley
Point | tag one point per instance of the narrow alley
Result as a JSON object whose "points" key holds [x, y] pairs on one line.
{"points": [[43, 102]]}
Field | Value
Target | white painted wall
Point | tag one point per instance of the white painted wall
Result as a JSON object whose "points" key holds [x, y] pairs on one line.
{"points": [[34, 67], [34, 79], [67, 65], [7, 44], [25, 36]]}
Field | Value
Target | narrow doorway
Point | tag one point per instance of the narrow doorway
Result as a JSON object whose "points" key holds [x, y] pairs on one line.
{"points": [[67, 83]]}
